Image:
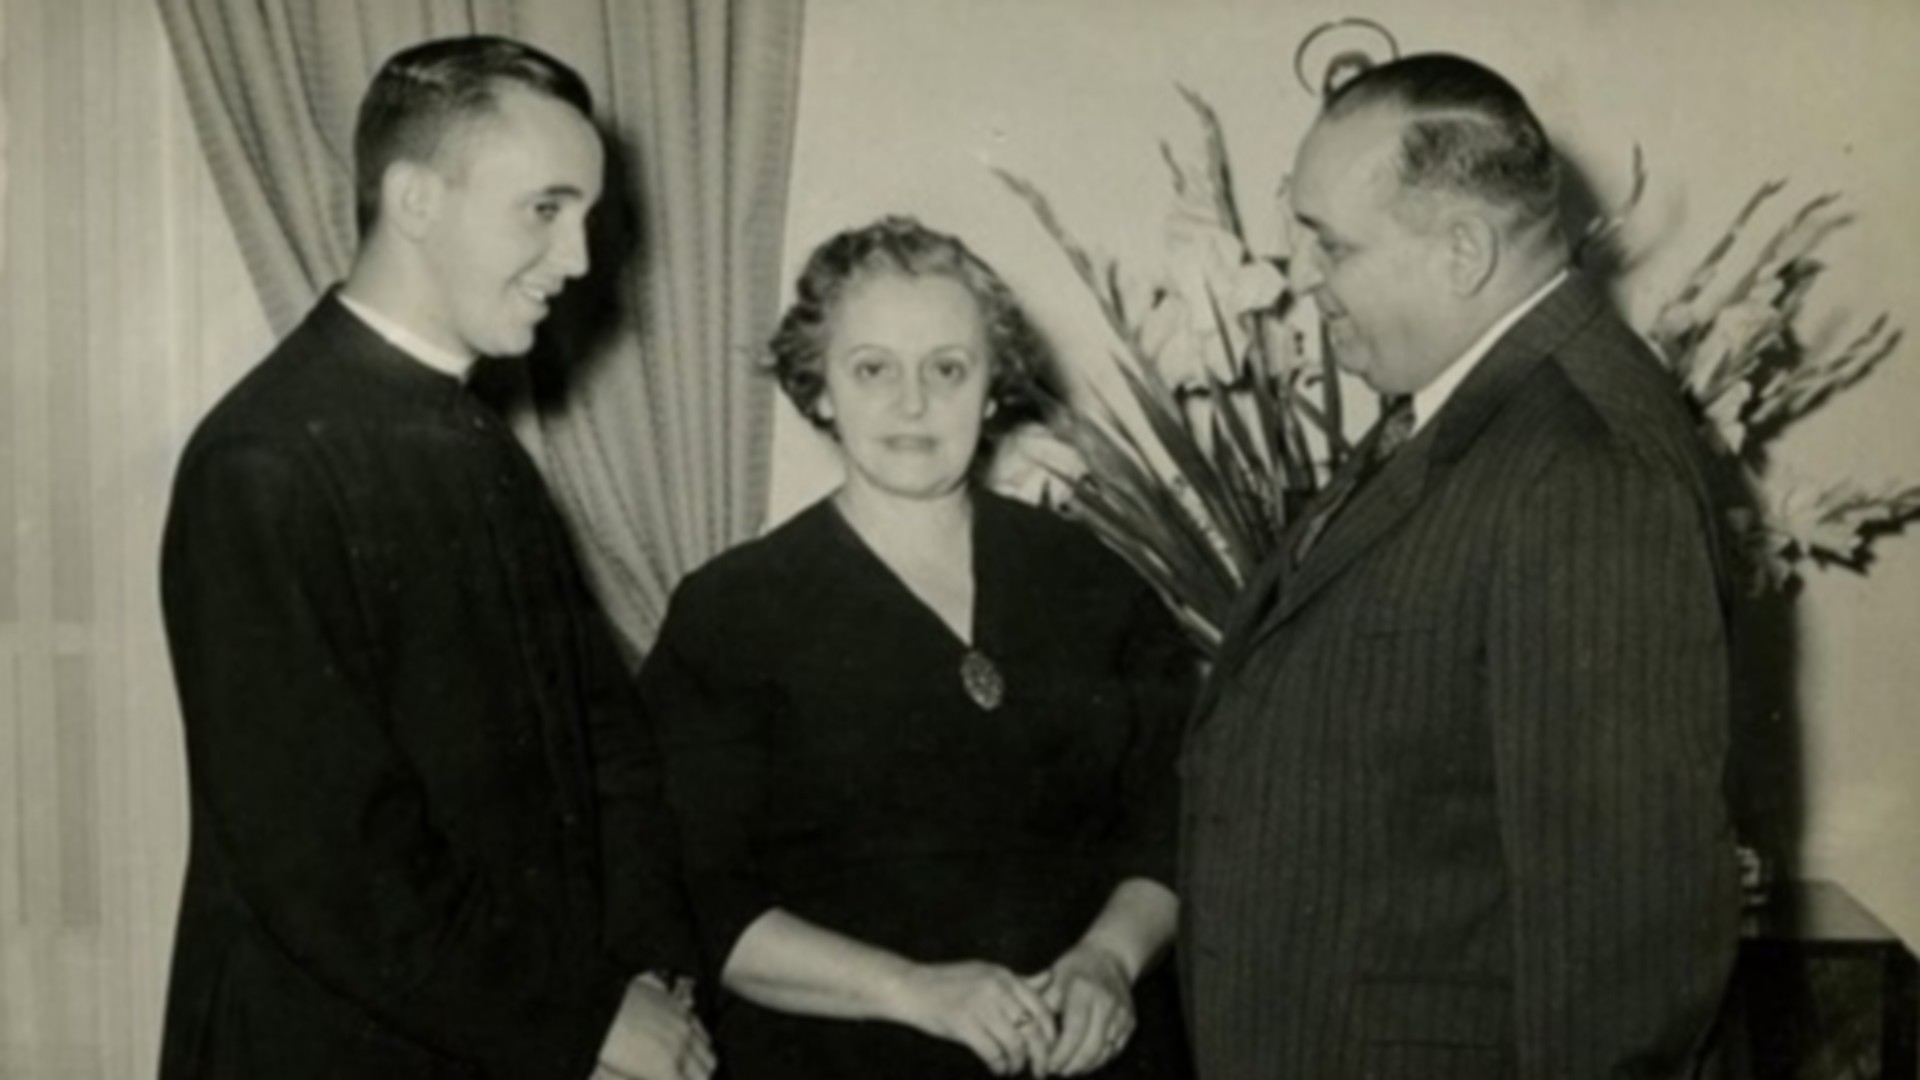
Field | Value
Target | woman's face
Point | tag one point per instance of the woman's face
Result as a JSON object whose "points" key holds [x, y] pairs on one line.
{"points": [[906, 382]]}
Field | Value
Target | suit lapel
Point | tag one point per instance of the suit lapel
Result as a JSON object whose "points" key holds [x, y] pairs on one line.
{"points": [[1254, 601], [1277, 593], [1370, 514], [1381, 505], [1257, 598]]}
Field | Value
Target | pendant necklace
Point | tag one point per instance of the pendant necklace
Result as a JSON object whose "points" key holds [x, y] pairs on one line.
{"points": [[982, 681]]}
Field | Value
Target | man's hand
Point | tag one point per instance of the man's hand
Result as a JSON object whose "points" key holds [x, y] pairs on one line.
{"points": [[654, 1037]]}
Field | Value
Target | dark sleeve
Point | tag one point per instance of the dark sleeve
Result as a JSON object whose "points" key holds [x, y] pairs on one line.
{"points": [[1161, 673], [648, 925], [1607, 671], [696, 686], [318, 814]]}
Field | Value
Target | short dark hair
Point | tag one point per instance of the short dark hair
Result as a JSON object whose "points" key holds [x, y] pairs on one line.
{"points": [[423, 94], [1469, 132], [1017, 358]]}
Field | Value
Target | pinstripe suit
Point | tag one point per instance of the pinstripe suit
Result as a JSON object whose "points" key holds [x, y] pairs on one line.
{"points": [[1454, 792]]}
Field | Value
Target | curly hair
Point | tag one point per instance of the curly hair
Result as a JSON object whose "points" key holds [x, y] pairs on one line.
{"points": [[1017, 359]]}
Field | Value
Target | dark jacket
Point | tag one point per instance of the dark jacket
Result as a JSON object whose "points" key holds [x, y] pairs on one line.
{"points": [[426, 836], [1455, 799]]}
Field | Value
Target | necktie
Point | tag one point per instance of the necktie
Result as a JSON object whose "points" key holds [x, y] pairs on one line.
{"points": [[1392, 431]]}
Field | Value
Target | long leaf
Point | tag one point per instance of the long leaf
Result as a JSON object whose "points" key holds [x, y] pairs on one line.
{"points": [[1132, 485], [1084, 264], [1249, 520], [1249, 478], [1174, 558], [1675, 337], [1188, 458], [1221, 172], [1601, 230]]}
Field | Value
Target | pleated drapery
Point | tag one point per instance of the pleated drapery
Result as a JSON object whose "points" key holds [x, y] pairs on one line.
{"points": [[645, 408], [124, 309]]}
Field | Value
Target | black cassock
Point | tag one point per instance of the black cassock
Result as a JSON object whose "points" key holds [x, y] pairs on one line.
{"points": [[408, 734]]}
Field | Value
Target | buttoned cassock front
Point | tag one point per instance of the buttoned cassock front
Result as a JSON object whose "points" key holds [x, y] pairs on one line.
{"points": [[428, 838]]}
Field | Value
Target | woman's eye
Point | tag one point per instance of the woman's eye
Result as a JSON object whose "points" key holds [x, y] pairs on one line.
{"points": [[952, 371], [868, 369], [546, 210]]}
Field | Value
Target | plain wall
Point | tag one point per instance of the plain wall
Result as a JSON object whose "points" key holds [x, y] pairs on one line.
{"points": [[906, 103]]}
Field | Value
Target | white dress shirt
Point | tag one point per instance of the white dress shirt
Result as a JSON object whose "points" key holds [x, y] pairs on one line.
{"points": [[1428, 401]]}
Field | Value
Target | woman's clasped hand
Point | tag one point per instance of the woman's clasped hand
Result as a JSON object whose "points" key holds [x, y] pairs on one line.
{"points": [[1065, 1021], [1090, 992]]}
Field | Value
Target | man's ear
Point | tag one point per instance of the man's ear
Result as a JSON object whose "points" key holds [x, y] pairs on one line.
{"points": [[410, 195], [1473, 250]]}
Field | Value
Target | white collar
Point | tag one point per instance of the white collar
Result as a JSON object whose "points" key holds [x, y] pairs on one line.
{"points": [[438, 357], [1429, 400]]}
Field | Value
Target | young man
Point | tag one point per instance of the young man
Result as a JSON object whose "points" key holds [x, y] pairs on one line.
{"points": [[1454, 794], [427, 836]]}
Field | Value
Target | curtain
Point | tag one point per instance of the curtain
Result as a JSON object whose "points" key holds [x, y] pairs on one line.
{"points": [[652, 425], [124, 309]]}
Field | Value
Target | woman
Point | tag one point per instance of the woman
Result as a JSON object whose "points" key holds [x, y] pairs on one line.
{"points": [[921, 738]]}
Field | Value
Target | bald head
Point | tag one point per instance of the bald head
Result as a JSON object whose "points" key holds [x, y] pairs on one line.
{"points": [[1461, 131], [1429, 200]]}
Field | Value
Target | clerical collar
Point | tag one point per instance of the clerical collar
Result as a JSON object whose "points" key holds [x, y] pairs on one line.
{"points": [[1430, 398], [438, 357]]}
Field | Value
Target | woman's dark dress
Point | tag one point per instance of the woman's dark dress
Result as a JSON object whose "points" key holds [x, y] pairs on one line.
{"points": [[823, 757]]}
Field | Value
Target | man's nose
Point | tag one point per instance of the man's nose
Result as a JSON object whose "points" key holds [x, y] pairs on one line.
{"points": [[1305, 273], [569, 254]]}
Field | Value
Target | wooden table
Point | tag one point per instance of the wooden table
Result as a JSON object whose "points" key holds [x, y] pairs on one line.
{"points": [[1824, 990]]}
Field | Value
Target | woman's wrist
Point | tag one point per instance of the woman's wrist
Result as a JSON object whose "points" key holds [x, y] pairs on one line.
{"points": [[1135, 927], [896, 991], [1128, 958]]}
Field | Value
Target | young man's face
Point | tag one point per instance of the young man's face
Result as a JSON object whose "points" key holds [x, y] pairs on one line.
{"points": [[509, 228]]}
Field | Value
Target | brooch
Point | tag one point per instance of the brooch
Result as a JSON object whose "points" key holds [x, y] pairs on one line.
{"points": [[982, 680]]}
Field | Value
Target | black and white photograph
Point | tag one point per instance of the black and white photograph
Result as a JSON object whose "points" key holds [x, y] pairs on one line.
{"points": [[923, 539]]}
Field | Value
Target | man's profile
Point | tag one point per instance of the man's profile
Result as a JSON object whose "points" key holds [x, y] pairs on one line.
{"points": [[1455, 802]]}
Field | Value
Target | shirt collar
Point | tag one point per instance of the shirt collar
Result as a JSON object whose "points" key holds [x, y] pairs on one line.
{"points": [[438, 357], [1428, 402]]}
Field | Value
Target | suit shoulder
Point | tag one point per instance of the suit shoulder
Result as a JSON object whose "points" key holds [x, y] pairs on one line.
{"points": [[1624, 384], [1604, 390], [1598, 420]]}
